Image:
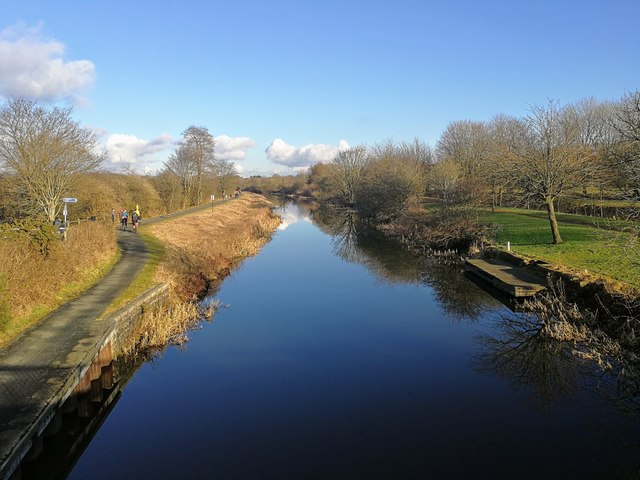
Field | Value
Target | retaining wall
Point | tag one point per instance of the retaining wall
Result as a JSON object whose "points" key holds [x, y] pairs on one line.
{"points": [[84, 381]]}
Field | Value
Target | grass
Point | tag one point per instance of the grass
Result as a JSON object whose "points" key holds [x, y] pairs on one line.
{"points": [[232, 232], [72, 290], [605, 249], [146, 278], [33, 285]]}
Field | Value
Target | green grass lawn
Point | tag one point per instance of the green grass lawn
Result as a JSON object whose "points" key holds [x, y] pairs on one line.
{"points": [[601, 247]]}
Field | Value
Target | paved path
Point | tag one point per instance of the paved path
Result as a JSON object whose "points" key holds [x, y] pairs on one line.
{"points": [[35, 368]]}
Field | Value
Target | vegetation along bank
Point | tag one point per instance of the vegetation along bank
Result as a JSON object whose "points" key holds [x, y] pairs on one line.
{"points": [[197, 252]]}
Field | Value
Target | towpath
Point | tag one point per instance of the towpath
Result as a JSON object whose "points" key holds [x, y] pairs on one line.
{"points": [[35, 368]]}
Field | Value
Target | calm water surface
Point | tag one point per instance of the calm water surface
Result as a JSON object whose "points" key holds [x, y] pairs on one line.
{"points": [[339, 356]]}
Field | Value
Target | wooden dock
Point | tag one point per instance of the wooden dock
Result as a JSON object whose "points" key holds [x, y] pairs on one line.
{"points": [[507, 277]]}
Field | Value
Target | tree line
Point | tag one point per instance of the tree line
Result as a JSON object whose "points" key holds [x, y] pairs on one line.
{"points": [[45, 156], [580, 149]]}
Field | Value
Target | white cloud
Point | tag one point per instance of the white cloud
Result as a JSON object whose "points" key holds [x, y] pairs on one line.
{"points": [[296, 157], [129, 151], [34, 67], [232, 148]]}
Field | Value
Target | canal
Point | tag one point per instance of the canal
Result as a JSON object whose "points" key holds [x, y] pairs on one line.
{"points": [[338, 355]]}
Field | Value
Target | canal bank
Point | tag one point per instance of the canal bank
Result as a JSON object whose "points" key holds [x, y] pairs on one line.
{"points": [[57, 366], [41, 369]]}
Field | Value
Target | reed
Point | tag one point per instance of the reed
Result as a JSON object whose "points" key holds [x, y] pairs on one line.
{"points": [[166, 324]]}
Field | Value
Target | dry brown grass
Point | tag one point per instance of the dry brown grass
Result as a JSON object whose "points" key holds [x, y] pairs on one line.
{"points": [[204, 247], [165, 324], [201, 249], [35, 283]]}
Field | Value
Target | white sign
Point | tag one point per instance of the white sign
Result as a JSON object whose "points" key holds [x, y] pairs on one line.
{"points": [[70, 200], [213, 197]]}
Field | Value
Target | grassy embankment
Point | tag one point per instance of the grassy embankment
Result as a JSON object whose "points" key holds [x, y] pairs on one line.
{"points": [[592, 247], [193, 254], [34, 283]]}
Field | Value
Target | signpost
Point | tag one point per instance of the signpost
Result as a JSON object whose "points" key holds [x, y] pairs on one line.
{"points": [[64, 211], [213, 197]]}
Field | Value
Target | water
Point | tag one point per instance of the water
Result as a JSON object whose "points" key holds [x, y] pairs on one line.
{"points": [[340, 356]]}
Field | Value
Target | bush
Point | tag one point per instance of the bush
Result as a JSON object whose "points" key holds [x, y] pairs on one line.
{"points": [[387, 184], [43, 236], [455, 228]]}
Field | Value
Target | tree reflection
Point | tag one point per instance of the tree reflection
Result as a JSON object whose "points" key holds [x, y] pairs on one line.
{"points": [[526, 352], [554, 357], [344, 232], [459, 297], [355, 241]]}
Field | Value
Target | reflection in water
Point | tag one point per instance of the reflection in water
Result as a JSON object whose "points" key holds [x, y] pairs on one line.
{"points": [[319, 371], [355, 241], [526, 353], [536, 352], [527, 349], [76, 422], [289, 213], [460, 298]]}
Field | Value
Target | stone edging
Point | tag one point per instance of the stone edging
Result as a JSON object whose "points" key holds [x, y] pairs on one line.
{"points": [[118, 325]]}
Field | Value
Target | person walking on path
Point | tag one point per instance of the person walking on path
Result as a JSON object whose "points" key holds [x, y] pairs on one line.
{"points": [[113, 215], [135, 220], [125, 219]]}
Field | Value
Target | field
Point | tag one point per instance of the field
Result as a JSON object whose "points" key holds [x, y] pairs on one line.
{"points": [[606, 248]]}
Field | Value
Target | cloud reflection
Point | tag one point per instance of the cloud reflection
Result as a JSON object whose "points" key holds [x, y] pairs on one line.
{"points": [[291, 214]]}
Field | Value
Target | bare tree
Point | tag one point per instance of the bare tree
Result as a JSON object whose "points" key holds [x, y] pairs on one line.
{"points": [[467, 143], [595, 132], [168, 186], [346, 172], [389, 181], [200, 145], [445, 181], [506, 134], [550, 159], [182, 163], [223, 169], [418, 151], [45, 150], [626, 148]]}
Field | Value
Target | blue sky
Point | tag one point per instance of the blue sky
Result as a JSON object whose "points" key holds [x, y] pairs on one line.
{"points": [[282, 84]]}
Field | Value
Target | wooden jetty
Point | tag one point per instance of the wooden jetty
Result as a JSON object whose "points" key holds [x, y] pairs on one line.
{"points": [[507, 277]]}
